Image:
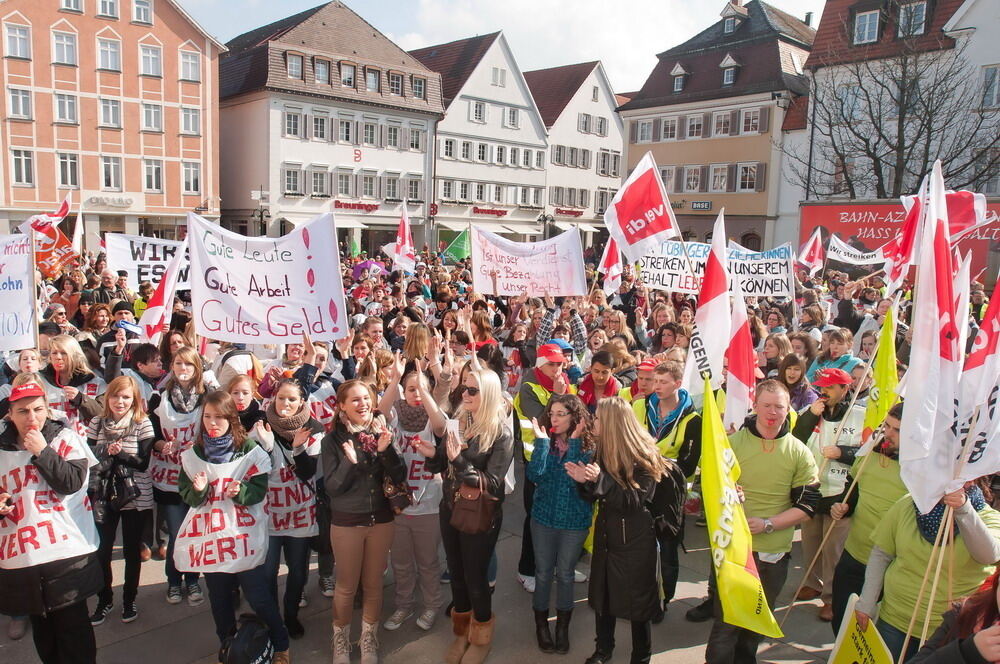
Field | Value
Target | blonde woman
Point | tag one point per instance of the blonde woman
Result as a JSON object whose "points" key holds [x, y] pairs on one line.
{"points": [[616, 325], [69, 384], [478, 456], [621, 481], [417, 342]]}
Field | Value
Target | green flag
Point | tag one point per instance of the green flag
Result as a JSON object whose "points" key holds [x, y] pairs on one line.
{"points": [[355, 248], [459, 248]]}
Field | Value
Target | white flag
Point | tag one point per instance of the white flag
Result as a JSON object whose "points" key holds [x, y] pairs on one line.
{"points": [[713, 319], [403, 256]]}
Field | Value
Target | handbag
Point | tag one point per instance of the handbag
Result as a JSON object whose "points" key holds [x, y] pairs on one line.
{"points": [[398, 495], [123, 488], [474, 508]]}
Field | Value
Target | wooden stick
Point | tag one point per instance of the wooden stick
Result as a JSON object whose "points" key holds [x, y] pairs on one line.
{"points": [[920, 593], [34, 290]]}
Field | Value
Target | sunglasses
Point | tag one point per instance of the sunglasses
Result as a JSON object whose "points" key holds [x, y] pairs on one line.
{"points": [[471, 391]]}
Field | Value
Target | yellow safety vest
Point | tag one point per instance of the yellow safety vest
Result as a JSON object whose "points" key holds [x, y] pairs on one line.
{"points": [[670, 445], [626, 393], [527, 430]]}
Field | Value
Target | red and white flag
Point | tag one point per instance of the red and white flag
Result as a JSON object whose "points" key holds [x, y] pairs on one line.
{"points": [[640, 217], [41, 222], [713, 320], [404, 257], [741, 371], [981, 388], [156, 318], [928, 444], [611, 267], [812, 254]]}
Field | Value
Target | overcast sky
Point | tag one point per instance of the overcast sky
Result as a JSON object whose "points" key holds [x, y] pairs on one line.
{"points": [[625, 35]]}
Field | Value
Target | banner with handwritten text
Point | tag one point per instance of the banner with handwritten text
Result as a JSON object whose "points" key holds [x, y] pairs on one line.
{"points": [[17, 316], [144, 258], [505, 267], [266, 290], [760, 273]]}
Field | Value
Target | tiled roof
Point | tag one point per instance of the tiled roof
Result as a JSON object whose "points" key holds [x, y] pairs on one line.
{"points": [[554, 87], [455, 61], [625, 97], [796, 117], [266, 33], [834, 42], [763, 21]]}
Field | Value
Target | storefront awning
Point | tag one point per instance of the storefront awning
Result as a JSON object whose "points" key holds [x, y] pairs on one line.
{"points": [[523, 229], [348, 223], [453, 225], [582, 225]]}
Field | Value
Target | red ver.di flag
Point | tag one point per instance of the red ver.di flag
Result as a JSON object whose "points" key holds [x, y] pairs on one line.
{"points": [[266, 290], [640, 218]]}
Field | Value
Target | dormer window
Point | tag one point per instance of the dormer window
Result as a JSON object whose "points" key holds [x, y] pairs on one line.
{"points": [[728, 75], [866, 27], [678, 83], [729, 25], [912, 18], [679, 72]]}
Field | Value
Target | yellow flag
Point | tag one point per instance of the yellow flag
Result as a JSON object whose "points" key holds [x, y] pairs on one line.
{"points": [[743, 601], [884, 377]]}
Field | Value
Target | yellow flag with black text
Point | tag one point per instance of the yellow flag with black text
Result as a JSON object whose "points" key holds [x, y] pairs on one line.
{"points": [[743, 601], [885, 378]]}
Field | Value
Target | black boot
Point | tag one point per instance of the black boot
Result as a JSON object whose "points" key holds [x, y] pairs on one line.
{"points": [[562, 631], [599, 657], [542, 631], [702, 612]]}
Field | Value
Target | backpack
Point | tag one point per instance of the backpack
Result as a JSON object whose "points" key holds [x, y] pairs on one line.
{"points": [[251, 644], [667, 503]]}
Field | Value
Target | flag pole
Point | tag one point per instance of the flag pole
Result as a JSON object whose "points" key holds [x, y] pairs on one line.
{"points": [[34, 289]]}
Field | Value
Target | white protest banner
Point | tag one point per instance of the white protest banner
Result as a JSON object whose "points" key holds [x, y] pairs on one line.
{"points": [[845, 253], [17, 275], [219, 535], [267, 290], [290, 507], [668, 270], [144, 258], [763, 273], [553, 266]]}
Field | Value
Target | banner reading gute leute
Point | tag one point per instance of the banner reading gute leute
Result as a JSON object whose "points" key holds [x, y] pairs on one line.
{"points": [[17, 316], [266, 290], [553, 266]]}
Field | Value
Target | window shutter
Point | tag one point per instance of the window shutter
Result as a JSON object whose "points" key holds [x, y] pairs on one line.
{"points": [[284, 123], [731, 172], [704, 179], [306, 127], [404, 139], [682, 127], [657, 125], [735, 128], [678, 178], [765, 117], [633, 131], [381, 136], [356, 136], [761, 174], [356, 193]]}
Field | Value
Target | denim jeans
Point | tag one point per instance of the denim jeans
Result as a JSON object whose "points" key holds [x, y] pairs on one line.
{"points": [[556, 553], [296, 551], [257, 591], [848, 579], [174, 515], [894, 640]]}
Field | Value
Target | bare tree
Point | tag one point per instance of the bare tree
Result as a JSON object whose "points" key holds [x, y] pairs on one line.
{"points": [[878, 125]]}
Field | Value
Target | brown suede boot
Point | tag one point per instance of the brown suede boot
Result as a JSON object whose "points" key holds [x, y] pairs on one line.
{"points": [[460, 627], [480, 641]]}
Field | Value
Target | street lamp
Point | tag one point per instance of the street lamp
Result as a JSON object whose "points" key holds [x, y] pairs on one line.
{"points": [[545, 220]]}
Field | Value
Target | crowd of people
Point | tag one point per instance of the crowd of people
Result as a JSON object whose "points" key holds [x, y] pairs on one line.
{"points": [[396, 446]]}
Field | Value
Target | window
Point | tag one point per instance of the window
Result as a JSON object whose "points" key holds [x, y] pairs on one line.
{"points": [[152, 117], [595, 93], [109, 54], [525, 196], [190, 66], [153, 175], [322, 70], [571, 197], [482, 152], [417, 139], [372, 80], [499, 77], [991, 86], [463, 191], [108, 8], [294, 64], [343, 184], [583, 123], [728, 75], [498, 193], [419, 87], [319, 127], [20, 104], [602, 126], [572, 157], [645, 131], [526, 159], [69, 169], [719, 177], [192, 177], [64, 48], [480, 192], [111, 173], [537, 197], [722, 124], [678, 83], [368, 186], [151, 63], [293, 124], [751, 121], [370, 133], [912, 18], [604, 162], [556, 195], [466, 150], [320, 183], [747, 178], [111, 113], [447, 189], [395, 84], [669, 129], [392, 136], [694, 126], [346, 127], [347, 75], [501, 155], [72, 5], [191, 121], [413, 190], [692, 178], [515, 155], [448, 148], [18, 41], [479, 111], [66, 108], [24, 168], [604, 197], [142, 11], [559, 154], [540, 159], [391, 187], [729, 25], [513, 118], [292, 181], [667, 177], [866, 27]]}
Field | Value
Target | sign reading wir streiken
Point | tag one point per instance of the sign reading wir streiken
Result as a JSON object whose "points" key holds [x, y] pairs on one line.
{"points": [[267, 290]]}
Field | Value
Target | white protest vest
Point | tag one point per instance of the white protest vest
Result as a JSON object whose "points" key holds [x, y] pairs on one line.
{"points": [[179, 428], [291, 503], [848, 432], [219, 535], [425, 487], [322, 404], [57, 400], [45, 525]]}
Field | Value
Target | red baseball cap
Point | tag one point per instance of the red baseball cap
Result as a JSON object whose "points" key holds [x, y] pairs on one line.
{"points": [[26, 391], [648, 365], [551, 353], [826, 377]]}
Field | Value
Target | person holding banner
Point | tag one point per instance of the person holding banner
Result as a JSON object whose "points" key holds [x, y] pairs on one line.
{"points": [[969, 631], [223, 479], [47, 576]]}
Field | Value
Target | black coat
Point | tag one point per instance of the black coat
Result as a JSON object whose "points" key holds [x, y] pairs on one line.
{"points": [[942, 649], [623, 568]]}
